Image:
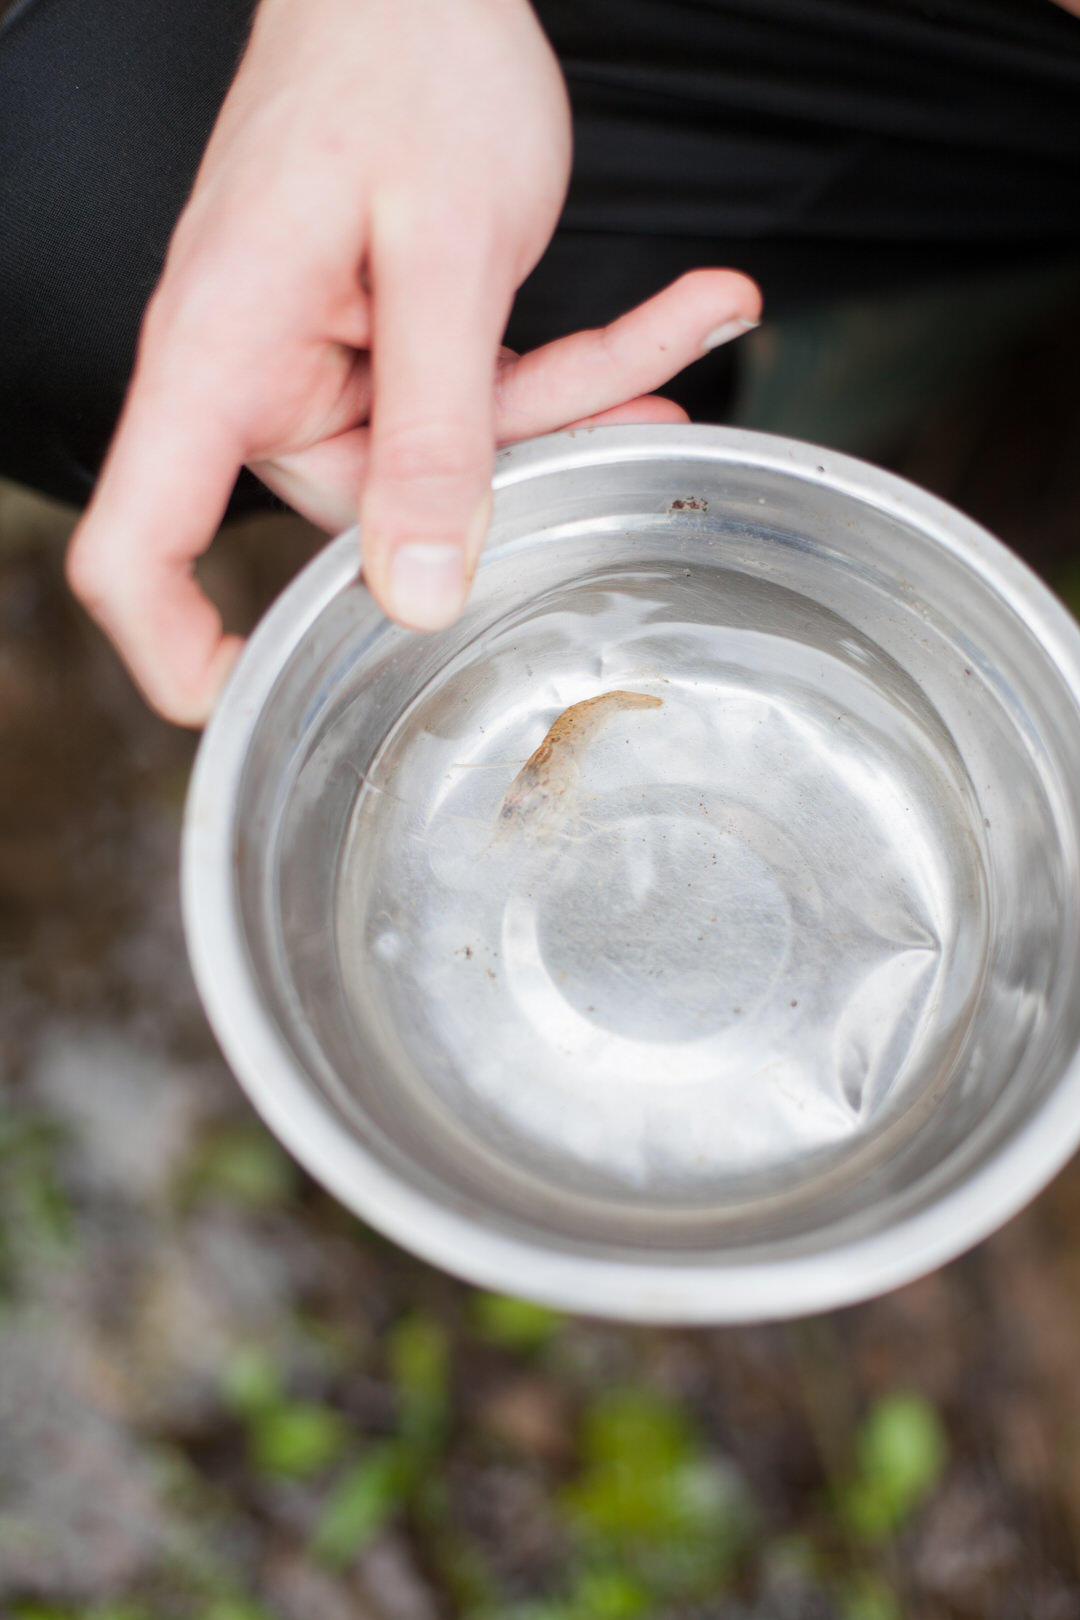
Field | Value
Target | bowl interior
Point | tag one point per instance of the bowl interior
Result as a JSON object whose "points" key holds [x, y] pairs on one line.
{"points": [[709, 888]]}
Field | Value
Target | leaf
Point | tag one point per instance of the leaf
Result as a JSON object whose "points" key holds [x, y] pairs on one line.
{"points": [[251, 1383], [40, 1611], [868, 1598], [652, 1498], [296, 1438], [420, 1369], [900, 1455], [633, 1445], [247, 1165], [42, 1206], [98, 1611], [361, 1502], [233, 1608], [33, 1198], [514, 1324], [609, 1595], [602, 1594]]}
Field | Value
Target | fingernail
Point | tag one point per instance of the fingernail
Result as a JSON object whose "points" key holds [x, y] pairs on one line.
{"points": [[730, 329], [427, 584]]}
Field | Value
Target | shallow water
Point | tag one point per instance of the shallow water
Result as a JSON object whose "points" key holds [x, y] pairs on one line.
{"points": [[706, 936]]}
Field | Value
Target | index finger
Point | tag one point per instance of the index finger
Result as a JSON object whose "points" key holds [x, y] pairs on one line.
{"points": [[158, 503]]}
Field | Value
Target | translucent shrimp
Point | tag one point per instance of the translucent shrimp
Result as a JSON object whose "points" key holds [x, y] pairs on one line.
{"points": [[549, 776]]}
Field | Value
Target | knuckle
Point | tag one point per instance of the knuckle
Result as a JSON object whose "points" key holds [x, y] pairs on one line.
{"points": [[437, 456], [181, 327], [611, 349], [83, 573], [201, 308]]}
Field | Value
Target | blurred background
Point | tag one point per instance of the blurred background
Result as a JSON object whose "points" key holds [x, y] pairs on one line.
{"points": [[221, 1396]]}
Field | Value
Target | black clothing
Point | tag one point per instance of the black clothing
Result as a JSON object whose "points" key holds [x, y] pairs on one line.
{"points": [[105, 108], [828, 147], [861, 120]]}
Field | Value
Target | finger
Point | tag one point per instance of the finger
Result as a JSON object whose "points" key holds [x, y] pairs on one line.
{"points": [[439, 309], [158, 504], [322, 483], [591, 372], [649, 408]]}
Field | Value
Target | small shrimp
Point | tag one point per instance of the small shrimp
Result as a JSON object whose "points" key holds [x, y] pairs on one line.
{"points": [[551, 772]]}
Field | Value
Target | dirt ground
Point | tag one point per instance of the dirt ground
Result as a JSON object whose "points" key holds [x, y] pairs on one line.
{"points": [[221, 1396]]}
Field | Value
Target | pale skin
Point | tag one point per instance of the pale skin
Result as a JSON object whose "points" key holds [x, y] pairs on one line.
{"points": [[383, 176]]}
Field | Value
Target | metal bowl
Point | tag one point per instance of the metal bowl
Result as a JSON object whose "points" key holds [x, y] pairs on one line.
{"points": [[690, 932]]}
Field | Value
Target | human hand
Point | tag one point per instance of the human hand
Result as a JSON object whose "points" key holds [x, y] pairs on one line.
{"points": [[382, 177]]}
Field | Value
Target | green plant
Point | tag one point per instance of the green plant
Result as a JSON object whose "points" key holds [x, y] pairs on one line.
{"points": [[297, 1438], [609, 1594], [363, 1499], [651, 1505], [419, 1360], [251, 1382], [234, 1608], [900, 1456], [390, 1475], [100, 1611], [867, 1597], [244, 1164], [285, 1436], [35, 1217], [514, 1324]]}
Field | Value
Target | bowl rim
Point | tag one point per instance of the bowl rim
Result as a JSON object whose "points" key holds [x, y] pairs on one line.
{"points": [[668, 1290]]}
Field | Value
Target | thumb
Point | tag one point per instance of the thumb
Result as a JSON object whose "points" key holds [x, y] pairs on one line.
{"points": [[427, 497]]}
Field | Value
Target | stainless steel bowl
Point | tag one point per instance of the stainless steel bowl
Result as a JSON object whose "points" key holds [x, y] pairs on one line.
{"points": [[747, 990]]}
